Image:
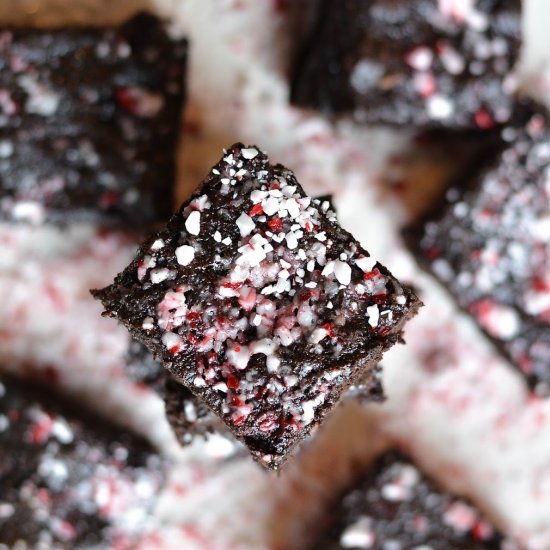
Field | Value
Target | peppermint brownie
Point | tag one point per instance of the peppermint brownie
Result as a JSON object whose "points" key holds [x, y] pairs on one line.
{"points": [[68, 479], [89, 122], [490, 245], [396, 507], [428, 63], [260, 303]]}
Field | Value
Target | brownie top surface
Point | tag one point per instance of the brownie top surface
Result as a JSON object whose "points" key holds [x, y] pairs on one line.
{"points": [[428, 63], [395, 507], [257, 300], [89, 121], [490, 244], [68, 479]]}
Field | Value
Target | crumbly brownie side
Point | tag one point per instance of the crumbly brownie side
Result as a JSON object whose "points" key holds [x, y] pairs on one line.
{"points": [[259, 302], [396, 506], [191, 418], [89, 122], [428, 63], [489, 244], [142, 367], [68, 479]]}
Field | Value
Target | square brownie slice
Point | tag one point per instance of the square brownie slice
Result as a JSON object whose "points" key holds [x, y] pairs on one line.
{"points": [[67, 478], [89, 122], [396, 507], [257, 300], [190, 418], [428, 63], [489, 244]]}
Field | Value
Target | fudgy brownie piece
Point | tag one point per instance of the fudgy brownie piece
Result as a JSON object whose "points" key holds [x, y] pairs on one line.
{"points": [[260, 303], [89, 122], [396, 507], [428, 63], [490, 245], [68, 479]]}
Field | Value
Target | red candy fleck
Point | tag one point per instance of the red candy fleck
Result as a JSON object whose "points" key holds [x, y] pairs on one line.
{"points": [[275, 224], [109, 199], [232, 382], [41, 431], [432, 253], [126, 99], [484, 120], [239, 420], [539, 284], [329, 328], [234, 286], [481, 530], [370, 275], [192, 339], [256, 210]]}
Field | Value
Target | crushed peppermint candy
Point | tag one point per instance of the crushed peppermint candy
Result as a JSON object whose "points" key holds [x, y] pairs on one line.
{"points": [[278, 293], [185, 254], [193, 222]]}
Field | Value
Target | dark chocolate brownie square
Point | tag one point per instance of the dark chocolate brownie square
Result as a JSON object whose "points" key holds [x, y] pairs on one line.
{"points": [[89, 122], [428, 63], [395, 507], [68, 479], [490, 245], [259, 302]]}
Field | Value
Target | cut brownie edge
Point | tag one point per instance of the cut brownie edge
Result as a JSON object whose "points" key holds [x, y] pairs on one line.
{"points": [[259, 302]]}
